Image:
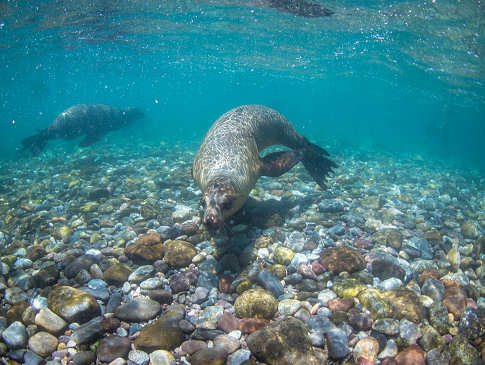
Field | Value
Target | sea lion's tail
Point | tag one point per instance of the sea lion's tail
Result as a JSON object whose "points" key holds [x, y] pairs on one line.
{"points": [[36, 143], [317, 163]]}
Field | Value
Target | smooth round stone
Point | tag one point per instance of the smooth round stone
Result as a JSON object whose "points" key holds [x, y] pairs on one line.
{"points": [[367, 348], [50, 321], [390, 350], [161, 357], [140, 309], [387, 326], [256, 303], [288, 307], [227, 343], [178, 253], [151, 283], [141, 273], [139, 357], [73, 304], [238, 357], [337, 343], [200, 295], [117, 273], [157, 335], [15, 335], [283, 255], [43, 343], [209, 356], [112, 347]]}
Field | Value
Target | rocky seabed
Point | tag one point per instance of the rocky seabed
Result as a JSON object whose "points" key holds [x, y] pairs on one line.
{"points": [[104, 261]]}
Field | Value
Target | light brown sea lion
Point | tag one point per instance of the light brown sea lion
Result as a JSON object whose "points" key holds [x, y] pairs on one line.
{"points": [[91, 120], [228, 164]]}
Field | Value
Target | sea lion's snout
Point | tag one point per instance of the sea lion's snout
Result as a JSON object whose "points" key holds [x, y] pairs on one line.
{"points": [[213, 221], [217, 203]]}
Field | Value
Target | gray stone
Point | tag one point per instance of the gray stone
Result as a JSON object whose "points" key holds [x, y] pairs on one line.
{"points": [[409, 331], [238, 357], [337, 343], [270, 282], [139, 357], [140, 309], [15, 335], [88, 332]]}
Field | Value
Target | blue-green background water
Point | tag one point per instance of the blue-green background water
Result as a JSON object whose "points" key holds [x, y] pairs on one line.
{"points": [[400, 76]]}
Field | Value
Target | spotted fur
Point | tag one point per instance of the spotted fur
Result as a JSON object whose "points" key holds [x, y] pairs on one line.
{"points": [[229, 154]]}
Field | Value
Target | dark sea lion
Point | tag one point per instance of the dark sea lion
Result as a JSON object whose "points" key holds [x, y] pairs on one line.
{"points": [[228, 164], [300, 8], [92, 120]]}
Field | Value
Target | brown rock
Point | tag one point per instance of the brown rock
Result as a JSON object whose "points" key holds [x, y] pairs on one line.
{"points": [[73, 304], [147, 248], [455, 300], [435, 274], [192, 346], [412, 355], [15, 312], [339, 259], [178, 253], [209, 356], [249, 325], [340, 304], [117, 273], [228, 322]]}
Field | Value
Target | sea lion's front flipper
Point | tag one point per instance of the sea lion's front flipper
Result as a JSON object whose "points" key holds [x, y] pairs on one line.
{"points": [[277, 163], [90, 139]]}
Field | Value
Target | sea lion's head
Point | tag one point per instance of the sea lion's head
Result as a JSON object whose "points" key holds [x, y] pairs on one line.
{"points": [[219, 202]]}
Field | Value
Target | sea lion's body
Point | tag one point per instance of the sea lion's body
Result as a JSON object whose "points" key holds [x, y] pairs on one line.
{"points": [[91, 120], [228, 163]]}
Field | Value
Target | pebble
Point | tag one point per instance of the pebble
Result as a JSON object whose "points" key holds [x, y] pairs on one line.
{"points": [[337, 341], [139, 357], [367, 348], [161, 357], [140, 309], [43, 343], [15, 335]]}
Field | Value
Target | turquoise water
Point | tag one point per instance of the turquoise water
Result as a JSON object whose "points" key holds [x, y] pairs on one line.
{"points": [[405, 77]]}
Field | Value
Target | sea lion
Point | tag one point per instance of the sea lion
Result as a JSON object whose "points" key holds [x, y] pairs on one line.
{"points": [[228, 164], [92, 120]]}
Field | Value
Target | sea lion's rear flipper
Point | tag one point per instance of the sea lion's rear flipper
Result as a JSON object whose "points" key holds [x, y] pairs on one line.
{"points": [[35, 143], [317, 164], [277, 163], [91, 139]]}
